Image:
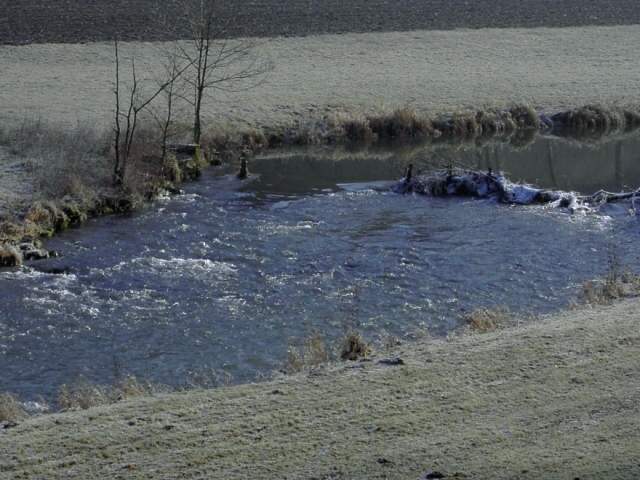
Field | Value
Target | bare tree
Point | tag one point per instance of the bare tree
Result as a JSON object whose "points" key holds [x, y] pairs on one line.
{"points": [[216, 62], [137, 102], [164, 115]]}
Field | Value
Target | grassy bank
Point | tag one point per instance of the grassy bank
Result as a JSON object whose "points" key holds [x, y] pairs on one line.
{"points": [[554, 399]]}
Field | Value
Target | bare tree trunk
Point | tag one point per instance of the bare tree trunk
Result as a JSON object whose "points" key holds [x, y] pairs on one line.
{"points": [[117, 180], [197, 122]]}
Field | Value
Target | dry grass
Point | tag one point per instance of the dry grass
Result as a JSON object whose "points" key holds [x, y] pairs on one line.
{"points": [[617, 283], [311, 353], [401, 124], [484, 320], [82, 394], [11, 409], [525, 117], [64, 161], [596, 121]]}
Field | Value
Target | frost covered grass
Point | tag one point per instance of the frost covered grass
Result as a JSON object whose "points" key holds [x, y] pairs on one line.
{"points": [[529, 402]]}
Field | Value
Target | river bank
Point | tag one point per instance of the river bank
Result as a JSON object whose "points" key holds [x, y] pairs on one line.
{"points": [[321, 85], [556, 398]]}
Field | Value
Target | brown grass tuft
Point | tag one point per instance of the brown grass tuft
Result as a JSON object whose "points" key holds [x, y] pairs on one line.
{"points": [[354, 347], [484, 320], [353, 128], [402, 123]]}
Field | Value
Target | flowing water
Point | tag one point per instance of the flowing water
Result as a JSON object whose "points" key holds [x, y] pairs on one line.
{"points": [[225, 276]]}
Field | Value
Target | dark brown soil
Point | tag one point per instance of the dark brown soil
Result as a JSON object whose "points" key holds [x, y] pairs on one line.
{"points": [[40, 21]]}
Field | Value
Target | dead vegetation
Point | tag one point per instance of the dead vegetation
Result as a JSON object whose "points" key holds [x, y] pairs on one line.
{"points": [[596, 121], [354, 347], [311, 352], [484, 320], [83, 394], [617, 283], [314, 351]]}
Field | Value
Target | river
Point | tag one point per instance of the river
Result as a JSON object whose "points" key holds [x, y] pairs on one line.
{"points": [[225, 276]]}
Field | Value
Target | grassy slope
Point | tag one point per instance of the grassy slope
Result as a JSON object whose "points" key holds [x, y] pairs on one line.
{"points": [[434, 71], [559, 398]]}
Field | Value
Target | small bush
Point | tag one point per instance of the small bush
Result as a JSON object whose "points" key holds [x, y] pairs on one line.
{"points": [[354, 347], [131, 387], [483, 320], [11, 409]]}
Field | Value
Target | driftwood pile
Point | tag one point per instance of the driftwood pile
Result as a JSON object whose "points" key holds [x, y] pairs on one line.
{"points": [[471, 183]]}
